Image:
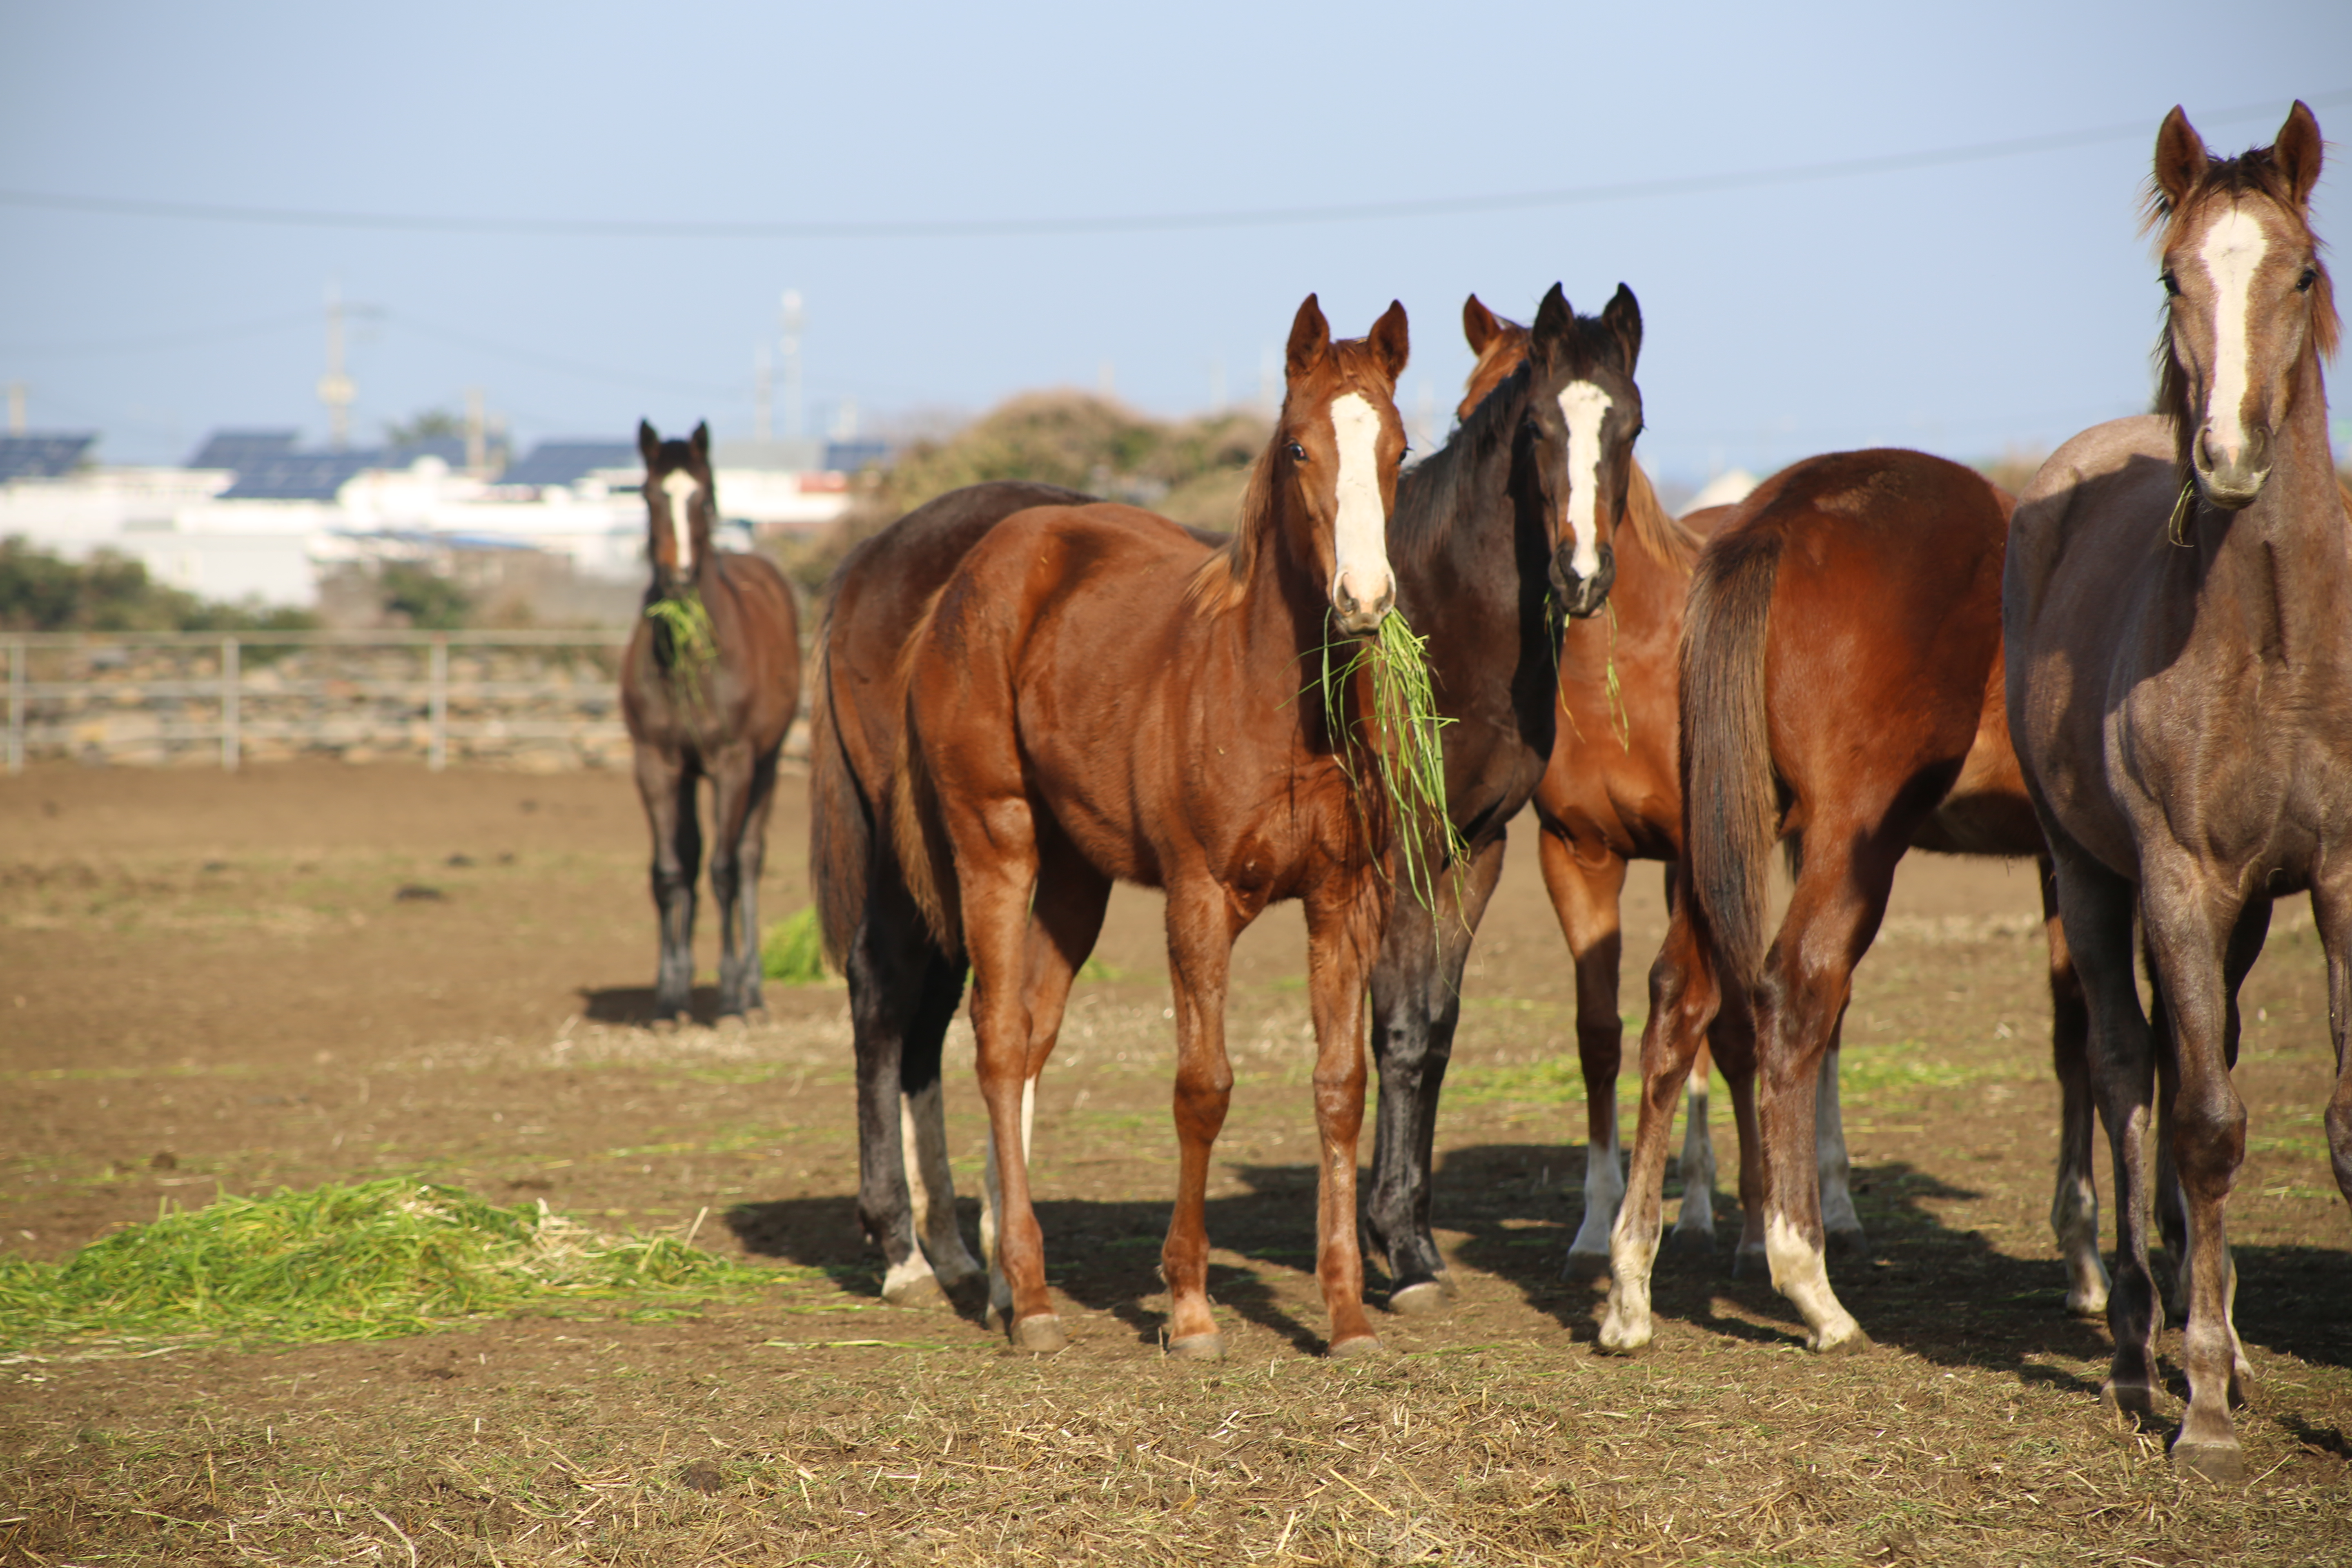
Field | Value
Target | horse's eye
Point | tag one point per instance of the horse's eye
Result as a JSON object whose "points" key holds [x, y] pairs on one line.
{"points": [[2171, 284], [2310, 276], [1298, 452]]}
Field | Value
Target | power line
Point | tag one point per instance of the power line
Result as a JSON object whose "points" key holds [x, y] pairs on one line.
{"points": [[1128, 223], [168, 339], [537, 360]]}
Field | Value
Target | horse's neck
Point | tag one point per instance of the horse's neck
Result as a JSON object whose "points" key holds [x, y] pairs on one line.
{"points": [[1456, 524], [2294, 541], [1278, 630]]}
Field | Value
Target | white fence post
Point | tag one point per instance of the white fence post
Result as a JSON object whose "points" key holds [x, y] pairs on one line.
{"points": [[438, 702], [230, 679], [18, 652]]}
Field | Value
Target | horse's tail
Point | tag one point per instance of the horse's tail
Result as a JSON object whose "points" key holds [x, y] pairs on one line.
{"points": [[841, 821], [925, 857], [1729, 805]]}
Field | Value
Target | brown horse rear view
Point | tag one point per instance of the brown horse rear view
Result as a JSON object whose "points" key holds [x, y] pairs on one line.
{"points": [[1842, 690], [1097, 695], [708, 686]]}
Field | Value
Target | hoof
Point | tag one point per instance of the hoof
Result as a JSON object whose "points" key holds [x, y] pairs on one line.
{"points": [[2224, 1464], [729, 1024], [667, 1023], [1040, 1335], [2135, 1400], [1693, 1243], [1846, 1243], [1585, 1266], [923, 1293], [2087, 1304], [1419, 1299], [1619, 1340], [1362, 1345], [1197, 1347], [1853, 1343], [1750, 1263]]}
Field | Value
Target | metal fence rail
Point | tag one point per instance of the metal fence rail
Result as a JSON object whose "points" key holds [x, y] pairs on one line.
{"points": [[238, 683]]}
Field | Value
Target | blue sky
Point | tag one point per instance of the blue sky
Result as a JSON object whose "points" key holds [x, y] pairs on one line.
{"points": [[1966, 307]]}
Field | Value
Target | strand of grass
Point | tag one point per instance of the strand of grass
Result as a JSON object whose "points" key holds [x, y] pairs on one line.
{"points": [[1406, 735], [345, 1262]]}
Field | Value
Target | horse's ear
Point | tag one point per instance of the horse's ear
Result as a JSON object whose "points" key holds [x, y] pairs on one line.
{"points": [[1310, 338], [2180, 158], [1391, 340], [2298, 149], [1622, 317], [1555, 321], [1478, 324], [702, 443], [649, 443]]}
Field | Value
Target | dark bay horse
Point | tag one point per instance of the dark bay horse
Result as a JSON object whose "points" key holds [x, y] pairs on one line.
{"points": [[708, 686], [2179, 627], [1610, 793], [1521, 515], [903, 986], [1096, 695], [1842, 690]]}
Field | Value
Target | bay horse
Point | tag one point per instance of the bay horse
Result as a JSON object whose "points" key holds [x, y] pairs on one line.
{"points": [[1519, 516], [2180, 674], [1842, 690], [1097, 695], [708, 686], [904, 985]]}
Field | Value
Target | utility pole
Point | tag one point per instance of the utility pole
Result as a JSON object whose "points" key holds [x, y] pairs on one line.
{"points": [[477, 434], [335, 388], [794, 426], [15, 409], [763, 395]]}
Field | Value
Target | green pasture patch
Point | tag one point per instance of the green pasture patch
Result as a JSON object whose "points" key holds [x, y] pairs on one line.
{"points": [[793, 952], [347, 1262]]}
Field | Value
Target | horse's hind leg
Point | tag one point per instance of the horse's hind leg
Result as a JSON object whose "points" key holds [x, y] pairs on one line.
{"points": [[1693, 1229], [1416, 1006], [1832, 1166], [1684, 995], [902, 992], [1585, 896], [665, 780], [2074, 1205]]}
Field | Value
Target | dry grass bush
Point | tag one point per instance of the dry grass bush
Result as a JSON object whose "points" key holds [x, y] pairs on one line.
{"points": [[1190, 469]]}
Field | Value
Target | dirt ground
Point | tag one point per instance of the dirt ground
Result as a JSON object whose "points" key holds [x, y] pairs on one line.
{"points": [[306, 974]]}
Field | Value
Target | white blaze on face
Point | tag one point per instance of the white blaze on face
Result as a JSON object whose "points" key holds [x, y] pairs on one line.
{"points": [[1585, 407], [2231, 253], [679, 487], [1360, 538]]}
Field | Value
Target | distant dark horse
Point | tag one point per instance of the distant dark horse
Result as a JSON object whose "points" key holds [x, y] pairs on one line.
{"points": [[708, 686], [2178, 623]]}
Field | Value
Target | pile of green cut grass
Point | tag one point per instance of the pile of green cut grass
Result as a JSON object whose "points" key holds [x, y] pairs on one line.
{"points": [[370, 1261]]}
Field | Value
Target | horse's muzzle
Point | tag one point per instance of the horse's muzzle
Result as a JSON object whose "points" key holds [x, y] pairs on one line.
{"points": [[2232, 481], [1355, 619], [1579, 596]]}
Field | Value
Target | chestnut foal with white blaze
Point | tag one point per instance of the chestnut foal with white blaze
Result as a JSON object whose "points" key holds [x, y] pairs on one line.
{"points": [[1097, 695]]}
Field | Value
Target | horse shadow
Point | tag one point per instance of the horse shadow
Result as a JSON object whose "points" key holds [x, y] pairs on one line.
{"points": [[633, 1005], [1941, 1292]]}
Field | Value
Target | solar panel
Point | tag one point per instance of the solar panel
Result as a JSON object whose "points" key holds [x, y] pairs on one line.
{"points": [[567, 462], [41, 457], [236, 448]]}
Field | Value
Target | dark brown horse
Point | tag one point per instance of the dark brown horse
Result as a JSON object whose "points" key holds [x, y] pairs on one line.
{"points": [[1096, 695], [903, 986], [708, 686], [1841, 688], [1610, 793], [1521, 515], [2180, 678]]}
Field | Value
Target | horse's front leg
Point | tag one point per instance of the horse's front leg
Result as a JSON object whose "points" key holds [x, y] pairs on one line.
{"points": [[2075, 1202], [742, 785], [1200, 931], [1344, 918], [1416, 992], [665, 780]]}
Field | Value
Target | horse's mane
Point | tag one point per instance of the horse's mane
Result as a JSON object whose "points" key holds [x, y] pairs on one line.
{"points": [[1429, 495], [1656, 529], [2253, 173], [1222, 582]]}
